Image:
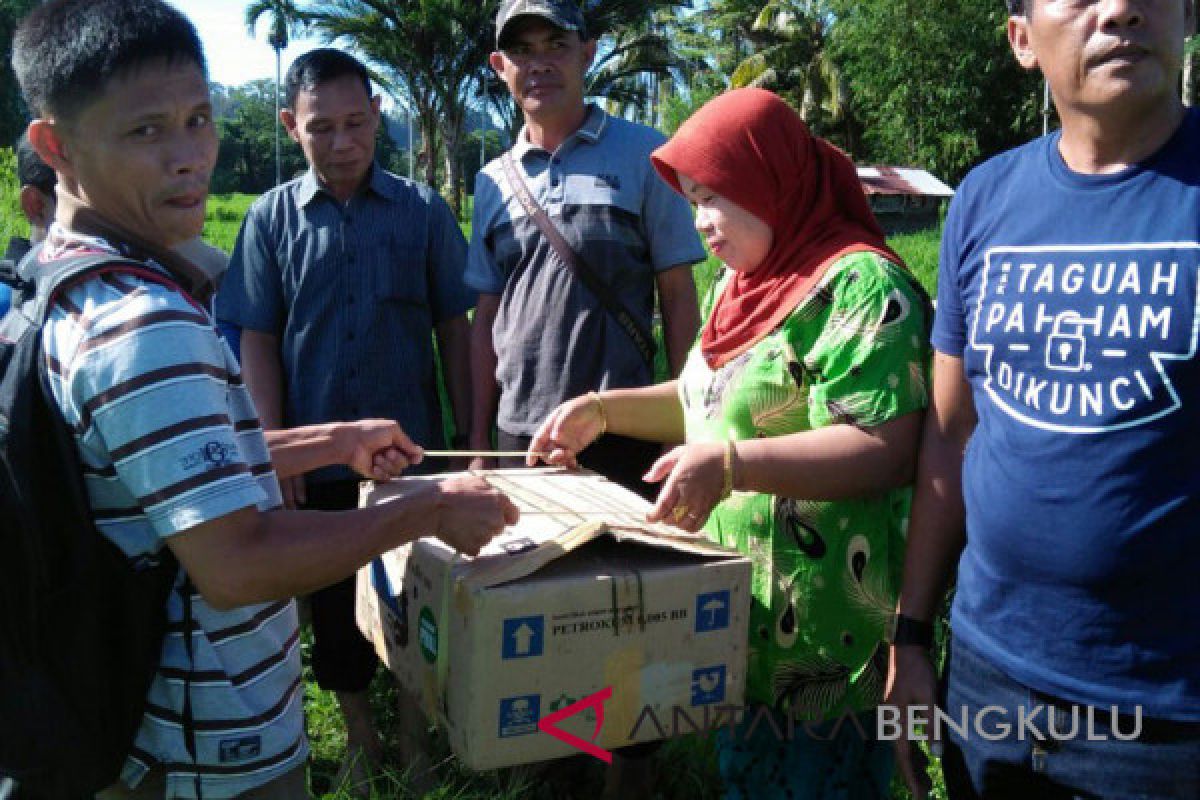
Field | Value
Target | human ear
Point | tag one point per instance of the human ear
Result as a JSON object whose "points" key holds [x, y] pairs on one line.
{"points": [[46, 138], [288, 118], [496, 62], [1020, 42], [37, 207]]}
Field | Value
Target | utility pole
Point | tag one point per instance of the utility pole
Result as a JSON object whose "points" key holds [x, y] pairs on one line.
{"points": [[1045, 107], [278, 161], [1047, 110]]}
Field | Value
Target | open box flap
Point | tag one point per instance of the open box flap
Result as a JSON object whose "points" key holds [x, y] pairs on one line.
{"points": [[561, 510], [487, 571]]}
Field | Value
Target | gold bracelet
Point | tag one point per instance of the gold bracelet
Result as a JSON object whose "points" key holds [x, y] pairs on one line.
{"points": [[730, 458], [595, 398]]}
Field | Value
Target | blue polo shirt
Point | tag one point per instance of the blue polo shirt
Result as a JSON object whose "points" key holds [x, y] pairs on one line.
{"points": [[553, 339], [353, 291]]}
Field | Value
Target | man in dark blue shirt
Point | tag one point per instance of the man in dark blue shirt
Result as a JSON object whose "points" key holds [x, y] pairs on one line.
{"points": [[1065, 394], [339, 280]]}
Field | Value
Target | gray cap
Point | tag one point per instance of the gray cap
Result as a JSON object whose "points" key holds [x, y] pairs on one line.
{"points": [[563, 14]]}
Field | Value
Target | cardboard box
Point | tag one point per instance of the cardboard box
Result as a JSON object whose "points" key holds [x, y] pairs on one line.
{"points": [[580, 596]]}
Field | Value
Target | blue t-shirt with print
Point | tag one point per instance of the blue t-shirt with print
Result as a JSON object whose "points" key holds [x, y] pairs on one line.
{"points": [[1072, 300]]}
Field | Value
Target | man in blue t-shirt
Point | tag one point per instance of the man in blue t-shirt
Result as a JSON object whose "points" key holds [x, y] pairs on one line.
{"points": [[1066, 388]]}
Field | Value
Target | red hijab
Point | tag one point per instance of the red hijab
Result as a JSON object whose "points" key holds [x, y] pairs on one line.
{"points": [[752, 148]]}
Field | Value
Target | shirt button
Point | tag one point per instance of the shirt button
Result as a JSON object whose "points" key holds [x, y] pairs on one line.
{"points": [[554, 182], [350, 336], [350, 300]]}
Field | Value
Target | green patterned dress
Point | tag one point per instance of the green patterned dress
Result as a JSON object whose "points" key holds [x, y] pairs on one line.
{"points": [[825, 573]]}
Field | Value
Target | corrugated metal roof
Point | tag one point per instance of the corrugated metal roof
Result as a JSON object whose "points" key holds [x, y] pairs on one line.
{"points": [[902, 180]]}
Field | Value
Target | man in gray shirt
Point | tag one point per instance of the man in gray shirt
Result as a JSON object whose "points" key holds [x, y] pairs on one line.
{"points": [[540, 336]]}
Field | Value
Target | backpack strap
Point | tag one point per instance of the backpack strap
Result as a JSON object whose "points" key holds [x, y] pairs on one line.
{"points": [[41, 283], [9, 275]]}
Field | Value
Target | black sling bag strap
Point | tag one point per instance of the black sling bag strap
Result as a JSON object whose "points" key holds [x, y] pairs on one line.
{"points": [[602, 291]]}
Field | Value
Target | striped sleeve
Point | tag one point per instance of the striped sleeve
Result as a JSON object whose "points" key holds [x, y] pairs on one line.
{"points": [[143, 378]]}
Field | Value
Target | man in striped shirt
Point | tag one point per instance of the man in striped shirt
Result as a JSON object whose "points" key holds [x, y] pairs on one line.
{"points": [[172, 449]]}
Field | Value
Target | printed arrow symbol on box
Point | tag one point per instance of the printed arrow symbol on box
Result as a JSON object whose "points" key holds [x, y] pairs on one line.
{"points": [[522, 637], [549, 724]]}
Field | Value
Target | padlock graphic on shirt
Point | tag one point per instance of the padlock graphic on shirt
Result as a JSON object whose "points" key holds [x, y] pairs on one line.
{"points": [[1066, 349]]}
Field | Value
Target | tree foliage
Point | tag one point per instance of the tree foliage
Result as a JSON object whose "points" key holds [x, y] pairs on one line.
{"points": [[934, 84], [12, 110], [246, 126], [792, 58], [245, 123], [638, 61], [285, 19], [431, 52], [893, 81]]}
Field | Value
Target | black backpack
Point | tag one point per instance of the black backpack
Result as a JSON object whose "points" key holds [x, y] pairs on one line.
{"points": [[81, 625]]}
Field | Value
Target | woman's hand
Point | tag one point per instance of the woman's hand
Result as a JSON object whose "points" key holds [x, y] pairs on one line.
{"points": [[568, 430], [695, 476]]}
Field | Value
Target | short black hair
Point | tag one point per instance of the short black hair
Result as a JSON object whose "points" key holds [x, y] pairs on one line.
{"points": [[66, 51], [31, 170], [1016, 8], [318, 66]]}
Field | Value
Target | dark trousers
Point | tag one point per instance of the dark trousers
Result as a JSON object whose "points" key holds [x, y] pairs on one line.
{"points": [[342, 659], [1163, 762], [619, 458]]}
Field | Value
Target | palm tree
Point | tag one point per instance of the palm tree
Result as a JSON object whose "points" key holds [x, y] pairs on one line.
{"points": [[286, 20], [638, 54], [791, 58], [433, 52]]}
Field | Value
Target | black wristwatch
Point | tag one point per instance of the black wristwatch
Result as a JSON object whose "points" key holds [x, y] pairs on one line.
{"points": [[909, 631]]}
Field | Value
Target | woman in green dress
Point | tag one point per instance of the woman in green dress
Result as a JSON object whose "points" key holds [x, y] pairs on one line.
{"points": [[800, 405]]}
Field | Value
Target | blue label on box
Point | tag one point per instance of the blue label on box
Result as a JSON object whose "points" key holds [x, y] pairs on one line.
{"points": [[519, 715], [523, 637], [712, 611], [708, 685]]}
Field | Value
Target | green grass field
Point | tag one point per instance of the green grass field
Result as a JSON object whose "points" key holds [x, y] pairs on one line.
{"points": [[12, 223], [224, 218], [684, 768]]}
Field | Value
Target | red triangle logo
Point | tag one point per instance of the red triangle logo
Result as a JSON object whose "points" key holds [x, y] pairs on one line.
{"points": [[549, 724]]}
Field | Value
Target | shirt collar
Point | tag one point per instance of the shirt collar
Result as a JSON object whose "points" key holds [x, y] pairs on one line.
{"points": [[377, 183], [590, 131]]}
